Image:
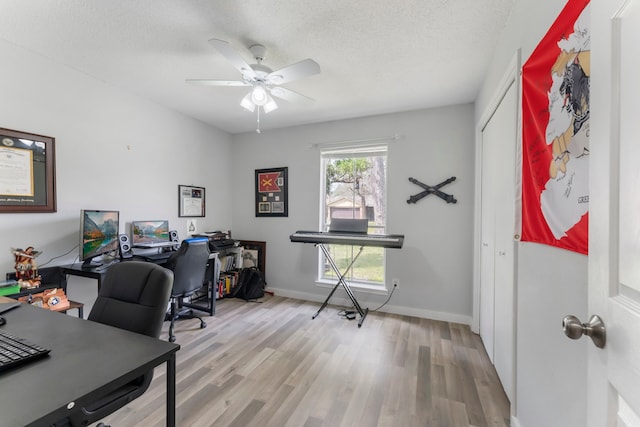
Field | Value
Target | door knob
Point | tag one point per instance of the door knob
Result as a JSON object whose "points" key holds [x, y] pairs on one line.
{"points": [[594, 328]]}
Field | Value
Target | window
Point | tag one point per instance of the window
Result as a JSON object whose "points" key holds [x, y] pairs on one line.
{"points": [[355, 186]]}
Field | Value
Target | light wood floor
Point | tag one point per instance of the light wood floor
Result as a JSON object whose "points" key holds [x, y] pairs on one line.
{"points": [[270, 364]]}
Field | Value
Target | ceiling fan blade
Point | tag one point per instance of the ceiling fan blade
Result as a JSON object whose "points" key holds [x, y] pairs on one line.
{"points": [[207, 82], [289, 95], [305, 68], [234, 57]]}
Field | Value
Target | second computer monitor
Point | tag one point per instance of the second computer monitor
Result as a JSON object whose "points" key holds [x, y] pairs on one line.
{"points": [[146, 232]]}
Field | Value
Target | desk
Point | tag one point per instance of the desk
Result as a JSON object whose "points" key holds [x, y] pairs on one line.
{"points": [[77, 270], [209, 287], [51, 277], [94, 272], [86, 359]]}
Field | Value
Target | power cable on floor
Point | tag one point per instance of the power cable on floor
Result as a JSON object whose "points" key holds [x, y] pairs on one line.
{"points": [[385, 303]]}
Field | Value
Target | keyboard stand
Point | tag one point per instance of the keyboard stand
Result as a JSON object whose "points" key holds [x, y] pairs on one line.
{"points": [[343, 282]]}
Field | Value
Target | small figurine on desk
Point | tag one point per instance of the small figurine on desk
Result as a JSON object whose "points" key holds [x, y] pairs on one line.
{"points": [[25, 266]]}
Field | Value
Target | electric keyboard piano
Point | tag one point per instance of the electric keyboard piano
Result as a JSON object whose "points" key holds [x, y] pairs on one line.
{"points": [[320, 239], [356, 239]]}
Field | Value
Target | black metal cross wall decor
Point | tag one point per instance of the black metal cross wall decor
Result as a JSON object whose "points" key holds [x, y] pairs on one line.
{"points": [[428, 189]]}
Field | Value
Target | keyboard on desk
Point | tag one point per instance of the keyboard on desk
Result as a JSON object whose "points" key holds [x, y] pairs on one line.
{"points": [[15, 351], [105, 266], [153, 244], [163, 256]]}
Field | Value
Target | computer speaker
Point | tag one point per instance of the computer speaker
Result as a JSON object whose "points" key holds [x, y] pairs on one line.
{"points": [[173, 235], [125, 246]]}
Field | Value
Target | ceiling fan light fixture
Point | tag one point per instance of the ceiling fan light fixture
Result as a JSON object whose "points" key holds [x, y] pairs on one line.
{"points": [[259, 95], [247, 104], [270, 105], [261, 79]]}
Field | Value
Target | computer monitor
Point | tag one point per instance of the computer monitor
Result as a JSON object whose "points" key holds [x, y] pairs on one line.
{"points": [[98, 235], [149, 232]]}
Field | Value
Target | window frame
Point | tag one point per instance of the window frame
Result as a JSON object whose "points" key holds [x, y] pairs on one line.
{"points": [[343, 152]]}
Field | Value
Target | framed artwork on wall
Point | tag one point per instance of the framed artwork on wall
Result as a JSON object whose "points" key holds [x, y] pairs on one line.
{"points": [[191, 201], [272, 192], [27, 172]]}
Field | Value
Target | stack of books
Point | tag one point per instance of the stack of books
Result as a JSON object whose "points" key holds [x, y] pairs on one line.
{"points": [[227, 283]]}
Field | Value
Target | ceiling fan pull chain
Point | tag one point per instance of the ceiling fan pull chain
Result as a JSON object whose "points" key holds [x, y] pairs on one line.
{"points": [[258, 125]]}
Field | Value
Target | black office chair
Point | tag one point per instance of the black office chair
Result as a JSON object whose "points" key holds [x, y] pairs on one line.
{"points": [[134, 296], [189, 266]]}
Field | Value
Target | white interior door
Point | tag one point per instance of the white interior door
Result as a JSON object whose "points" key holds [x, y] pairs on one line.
{"points": [[504, 318], [497, 310], [614, 248], [487, 251]]}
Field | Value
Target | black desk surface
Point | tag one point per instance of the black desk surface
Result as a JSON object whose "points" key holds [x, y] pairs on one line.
{"points": [[77, 270], [86, 358], [99, 271], [92, 273]]}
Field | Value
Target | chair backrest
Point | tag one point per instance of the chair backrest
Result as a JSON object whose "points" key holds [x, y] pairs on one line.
{"points": [[134, 296], [189, 266]]}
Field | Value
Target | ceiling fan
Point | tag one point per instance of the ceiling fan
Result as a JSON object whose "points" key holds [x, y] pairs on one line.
{"points": [[263, 80]]}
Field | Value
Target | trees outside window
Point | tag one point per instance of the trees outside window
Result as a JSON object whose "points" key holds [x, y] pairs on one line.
{"points": [[355, 186]]}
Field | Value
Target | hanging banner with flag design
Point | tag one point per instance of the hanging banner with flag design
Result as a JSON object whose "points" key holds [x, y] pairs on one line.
{"points": [[555, 133]]}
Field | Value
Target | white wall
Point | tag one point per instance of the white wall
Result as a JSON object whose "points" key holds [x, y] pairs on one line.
{"points": [[93, 125], [551, 369], [435, 264]]}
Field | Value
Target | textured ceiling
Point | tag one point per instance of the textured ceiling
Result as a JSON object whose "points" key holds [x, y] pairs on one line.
{"points": [[376, 56]]}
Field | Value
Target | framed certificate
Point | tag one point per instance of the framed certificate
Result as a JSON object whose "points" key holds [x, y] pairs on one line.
{"points": [[27, 172], [191, 201]]}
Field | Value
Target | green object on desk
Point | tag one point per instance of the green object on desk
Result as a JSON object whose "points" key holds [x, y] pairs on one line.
{"points": [[9, 287]]}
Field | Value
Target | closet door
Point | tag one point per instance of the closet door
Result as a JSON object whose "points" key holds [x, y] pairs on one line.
{"points": [[488, 233], [497, 276]]}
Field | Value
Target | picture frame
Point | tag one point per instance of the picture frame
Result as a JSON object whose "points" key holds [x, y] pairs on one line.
{"points": [[272, 192], [254, 247], [191, 201], [27, 172]]}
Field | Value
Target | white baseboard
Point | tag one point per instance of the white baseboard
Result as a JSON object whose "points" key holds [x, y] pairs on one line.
{"points": [[394, 309]]}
